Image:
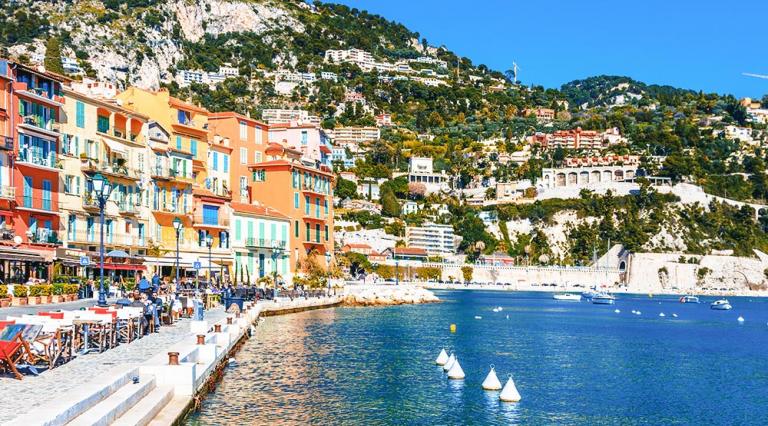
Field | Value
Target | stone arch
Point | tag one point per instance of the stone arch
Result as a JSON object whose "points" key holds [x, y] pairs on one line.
{"points": [[583, 178], [618, 174], [623, 265], [560, 179], [629, 174], [607, 176], [595, 176]]}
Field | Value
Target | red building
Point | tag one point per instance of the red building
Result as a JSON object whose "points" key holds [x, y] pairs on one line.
{"points": [[32, 168]]}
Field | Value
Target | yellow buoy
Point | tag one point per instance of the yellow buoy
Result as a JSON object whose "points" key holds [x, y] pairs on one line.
{"points": [[453, 328]]}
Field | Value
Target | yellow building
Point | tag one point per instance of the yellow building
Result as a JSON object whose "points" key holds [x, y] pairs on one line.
{"points": [[178, 144], [101, 137]]}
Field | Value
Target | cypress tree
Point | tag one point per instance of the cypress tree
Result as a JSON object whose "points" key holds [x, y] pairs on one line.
{"points": [[53, 56]]}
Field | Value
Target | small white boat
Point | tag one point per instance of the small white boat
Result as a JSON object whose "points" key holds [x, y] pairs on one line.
{"points": [[603, 299], [721, 305], [568, 297], [689, 299]]}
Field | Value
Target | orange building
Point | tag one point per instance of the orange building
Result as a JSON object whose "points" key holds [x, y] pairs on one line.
{"points": [[247, 139], [301, 192]]}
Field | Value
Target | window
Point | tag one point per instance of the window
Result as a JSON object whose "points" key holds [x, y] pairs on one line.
{"points": [[317, 232], [326, 232], [295, 180], [193, 147], [295, 200], [304, 137], [178, 143], [243, 186], [250, 229], [71, 227], [141, 234], [80, 114], [326, 207], [257, 157], [68, 184], [258, 136], [317, 207], [77, 185], [226, 163], [296, 229], [238, 230], [309, 237], [215, 165], [102, 124], [210, 215], [89, 228], [223, 239], [27, 191], [259, 175], [243, 130], [306, 205], [243, 155], [183, 117]]}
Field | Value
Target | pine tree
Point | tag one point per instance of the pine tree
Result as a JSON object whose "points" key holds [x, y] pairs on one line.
{"points": [[53, 56]]}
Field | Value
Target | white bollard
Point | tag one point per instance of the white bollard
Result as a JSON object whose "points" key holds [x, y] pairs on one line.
{"points": [[448, 364], [509, 393], [456, 372], [491, 381], [442, 358]]}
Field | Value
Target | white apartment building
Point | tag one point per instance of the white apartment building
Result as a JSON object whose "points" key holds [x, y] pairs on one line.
{"points": [[282, 116], [327, 75], [355, 135], [420, 170], [362, 58], [437, 240], [430, 60]]}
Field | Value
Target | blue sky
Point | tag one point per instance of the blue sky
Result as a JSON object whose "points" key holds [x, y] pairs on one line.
{"points": [[696, 44]]}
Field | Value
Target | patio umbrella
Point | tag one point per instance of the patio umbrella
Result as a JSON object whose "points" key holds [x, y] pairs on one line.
{"points": [[117, 253]]}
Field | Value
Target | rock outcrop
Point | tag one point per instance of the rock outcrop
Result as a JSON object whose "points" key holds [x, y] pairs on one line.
{"points": [[384, 295]]}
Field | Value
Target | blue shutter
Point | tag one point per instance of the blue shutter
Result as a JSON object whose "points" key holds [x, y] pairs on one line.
{"points": [[210, 215], [215, 161], [178, 142], [80, 114], [226, 163], [193, 147], [46, 194]]}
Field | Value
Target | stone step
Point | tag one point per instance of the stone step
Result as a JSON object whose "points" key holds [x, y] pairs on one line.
{"points": [[172, 411], [145, 410], [115, 405]]}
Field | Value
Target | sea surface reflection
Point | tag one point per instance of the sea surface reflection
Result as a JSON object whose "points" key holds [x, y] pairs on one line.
{"points": [[574, 363]]}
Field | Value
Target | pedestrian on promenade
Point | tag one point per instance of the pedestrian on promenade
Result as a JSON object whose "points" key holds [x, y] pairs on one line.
{"points": [[143, 285]]}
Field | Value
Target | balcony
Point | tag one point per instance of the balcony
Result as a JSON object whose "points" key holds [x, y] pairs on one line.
{"points": [[159, 171], [26, 156], [37, 204], [43, 236], [6, 143], [90, 202], [128, 209], [206, 222], [117, 170], [92, 236], [38, 94], [36, 122], [8, 192], [264, 243], [177, 210], [180, 176]]}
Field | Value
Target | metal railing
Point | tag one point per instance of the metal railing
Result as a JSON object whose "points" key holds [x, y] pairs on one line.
{"points": [[26, 156], [44, 236], [221, 220], [37, 203], [264, 243], [114, 169]]}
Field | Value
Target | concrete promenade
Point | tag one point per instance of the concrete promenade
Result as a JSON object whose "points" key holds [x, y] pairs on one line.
{"points": [[83, 387]]}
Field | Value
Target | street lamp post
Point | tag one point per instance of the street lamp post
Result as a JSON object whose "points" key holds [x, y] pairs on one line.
{"points": [[209, 243], [277, 251], [397, 274], [177, 225], [103, 190]]}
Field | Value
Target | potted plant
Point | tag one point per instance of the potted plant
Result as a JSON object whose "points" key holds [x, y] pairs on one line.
{"points": [[46, 293], [5, 299], [20, 292], [72, 292], [58, 293], [35, 291]]}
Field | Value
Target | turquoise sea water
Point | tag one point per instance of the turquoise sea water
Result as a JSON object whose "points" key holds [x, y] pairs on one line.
{"points": [[573, 363]]}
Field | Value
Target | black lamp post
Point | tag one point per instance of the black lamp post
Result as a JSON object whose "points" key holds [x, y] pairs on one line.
{"points": [[397, 274], [177, 225], [277, 251], [103, 190], [328, 265], [209, 243]]}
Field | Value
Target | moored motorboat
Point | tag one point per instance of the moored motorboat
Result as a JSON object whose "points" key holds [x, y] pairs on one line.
{"points": [[689, 299], [603, 299], [568, 297], [721, 305]]}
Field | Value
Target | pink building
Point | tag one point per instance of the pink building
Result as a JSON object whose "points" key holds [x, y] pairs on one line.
{"points": [[309, 139]]}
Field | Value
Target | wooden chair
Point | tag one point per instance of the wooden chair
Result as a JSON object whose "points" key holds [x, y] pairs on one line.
{"points": [[13, 348]]}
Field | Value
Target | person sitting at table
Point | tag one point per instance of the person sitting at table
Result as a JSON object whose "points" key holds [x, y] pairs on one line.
{"points": [[136, 302], [143, 284]]}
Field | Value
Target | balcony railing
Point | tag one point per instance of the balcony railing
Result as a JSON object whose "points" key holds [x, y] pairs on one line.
{"points": [[178, 174], [37, 203], [44, 236], [38, 121], [221, 221], [128, 208], [88, 165], [90, 201], [264, 243], [159, 171], [92, 236], [170, 208], [7, 192], [27, 156]]}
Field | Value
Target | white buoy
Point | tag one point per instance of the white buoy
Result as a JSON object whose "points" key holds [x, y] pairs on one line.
{"points": [[509, 393], [495, 309], [617, 311], [448, 364], [456, 372], [638, 313], [478, 317], [491, 382], [442, 358], [674, 315], [507, 316], [740, 318], [662, 315]]}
